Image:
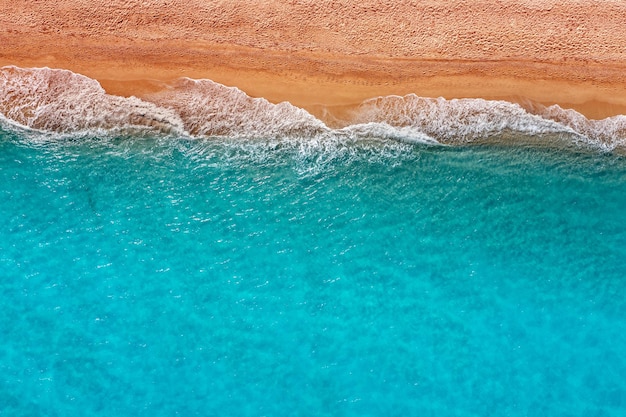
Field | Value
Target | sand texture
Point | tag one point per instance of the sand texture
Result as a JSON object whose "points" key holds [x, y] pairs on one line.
{"points": [[335, 53]]}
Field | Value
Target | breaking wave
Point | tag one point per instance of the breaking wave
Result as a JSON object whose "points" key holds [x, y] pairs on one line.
{"points": [[53, 102]]}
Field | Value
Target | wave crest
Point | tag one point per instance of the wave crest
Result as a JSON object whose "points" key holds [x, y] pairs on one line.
{"points": [[454, 121], [60, 101]]}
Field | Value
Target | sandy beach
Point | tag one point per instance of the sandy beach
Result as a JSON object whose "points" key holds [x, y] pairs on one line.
{"points": [[318, 54]]}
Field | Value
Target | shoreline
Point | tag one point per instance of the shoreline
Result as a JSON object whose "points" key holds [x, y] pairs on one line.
{"points": [[321, 92], [316, 72]]}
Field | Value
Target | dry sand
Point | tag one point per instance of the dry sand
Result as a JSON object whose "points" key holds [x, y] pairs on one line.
{"points": [[335, 53]]}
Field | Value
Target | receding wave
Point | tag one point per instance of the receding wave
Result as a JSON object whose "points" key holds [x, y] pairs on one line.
{"points": [[211, 109], [61, 101], [50, 101]]}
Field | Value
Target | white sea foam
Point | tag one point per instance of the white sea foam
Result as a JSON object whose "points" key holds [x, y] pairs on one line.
{"points": [[384, 130], [61, 102], [609, 133], [454, 121], [211, 109], [64, 102]]}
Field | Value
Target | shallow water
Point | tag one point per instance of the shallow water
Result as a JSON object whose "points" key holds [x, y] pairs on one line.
{"points": [[270, 277]]}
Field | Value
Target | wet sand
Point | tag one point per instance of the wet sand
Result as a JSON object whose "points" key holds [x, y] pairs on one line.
{"points": [[321, 55]]}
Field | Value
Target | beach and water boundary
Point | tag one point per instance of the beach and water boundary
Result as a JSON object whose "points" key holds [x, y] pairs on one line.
{"points": [[338, 54], [312, 208]]}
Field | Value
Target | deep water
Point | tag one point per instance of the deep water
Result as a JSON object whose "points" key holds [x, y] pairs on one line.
{"points": [[164, 276]]}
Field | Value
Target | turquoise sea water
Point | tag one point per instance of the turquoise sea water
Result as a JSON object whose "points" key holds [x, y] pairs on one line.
{"points": [[162, 277]]}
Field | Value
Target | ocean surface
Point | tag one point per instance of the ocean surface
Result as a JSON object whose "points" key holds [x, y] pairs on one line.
{"points": [[426, 258]]}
